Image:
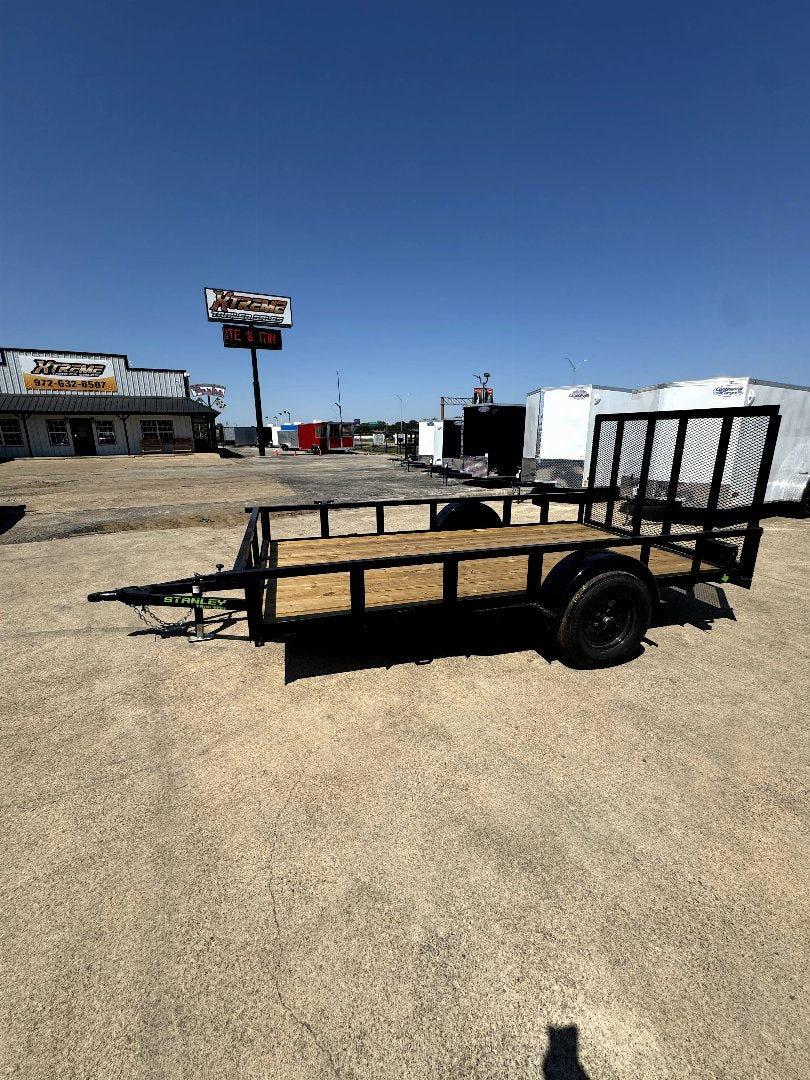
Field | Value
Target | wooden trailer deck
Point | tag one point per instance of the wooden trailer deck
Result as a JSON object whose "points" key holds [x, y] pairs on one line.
{"points": [[394, 587]]}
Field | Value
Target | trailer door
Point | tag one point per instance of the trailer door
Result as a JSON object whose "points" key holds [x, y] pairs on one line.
{"points": [[790, 473], [531, 430]]}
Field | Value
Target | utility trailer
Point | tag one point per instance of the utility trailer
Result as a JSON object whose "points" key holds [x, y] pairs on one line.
{"points": [[596, 579]]}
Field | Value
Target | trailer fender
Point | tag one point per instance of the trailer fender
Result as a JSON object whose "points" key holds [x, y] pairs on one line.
{"points": [[467, 514], [572, 572]]}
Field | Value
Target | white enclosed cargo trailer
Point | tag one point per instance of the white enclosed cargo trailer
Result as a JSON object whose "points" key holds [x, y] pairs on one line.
{"points": [[559, 429], [790, 473], [429, 448]]}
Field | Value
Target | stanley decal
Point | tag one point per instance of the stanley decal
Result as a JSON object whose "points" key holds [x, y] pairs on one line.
{"points": [[188, 600]]}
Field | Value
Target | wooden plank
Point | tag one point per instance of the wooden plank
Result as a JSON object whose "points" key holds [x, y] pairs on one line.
{"points": [[305, 552], [291, 598]]}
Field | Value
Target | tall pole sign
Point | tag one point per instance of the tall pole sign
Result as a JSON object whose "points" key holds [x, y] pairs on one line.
{"points": [[250, 321]]}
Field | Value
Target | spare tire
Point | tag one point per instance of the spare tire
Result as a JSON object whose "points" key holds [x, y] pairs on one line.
{"points": [[467, 514]]}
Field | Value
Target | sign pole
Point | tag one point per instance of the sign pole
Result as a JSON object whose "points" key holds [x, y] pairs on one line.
{"points": [[239, 312], [257, 398]]}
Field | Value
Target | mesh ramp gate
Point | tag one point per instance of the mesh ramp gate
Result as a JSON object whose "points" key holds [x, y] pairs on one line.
{"points": [[676, 472]]}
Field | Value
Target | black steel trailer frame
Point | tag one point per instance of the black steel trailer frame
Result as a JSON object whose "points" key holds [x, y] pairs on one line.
{"points": [[615, 504]]}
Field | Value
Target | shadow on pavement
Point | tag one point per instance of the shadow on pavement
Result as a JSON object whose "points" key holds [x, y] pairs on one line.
{"points": [[227, 627], [561, 1061], [387, 640], [9, 516], [421, 636], [413, 637], [699, 608]]}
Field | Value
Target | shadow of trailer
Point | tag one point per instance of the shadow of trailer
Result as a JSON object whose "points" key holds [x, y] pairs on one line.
{"points": [[595, 580]]}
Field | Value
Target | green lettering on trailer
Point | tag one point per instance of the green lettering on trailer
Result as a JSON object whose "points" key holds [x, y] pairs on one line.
{"points": [[196, 601]]}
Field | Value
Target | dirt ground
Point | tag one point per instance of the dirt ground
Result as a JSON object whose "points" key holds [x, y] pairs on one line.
{"points": [[418, 853], [65, 497]]}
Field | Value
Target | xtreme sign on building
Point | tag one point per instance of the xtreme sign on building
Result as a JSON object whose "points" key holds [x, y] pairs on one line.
{"points": [[57, 404]]}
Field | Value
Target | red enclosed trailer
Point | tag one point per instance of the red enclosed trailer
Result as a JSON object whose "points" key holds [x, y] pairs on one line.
{"points": [[325, 437]]}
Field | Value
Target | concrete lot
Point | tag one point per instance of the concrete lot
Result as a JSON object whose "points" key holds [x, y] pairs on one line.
{"points": [[396, 856]]}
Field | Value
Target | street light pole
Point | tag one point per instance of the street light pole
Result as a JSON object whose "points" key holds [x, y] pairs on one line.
{"points": [[575, 366], [339, 406]]}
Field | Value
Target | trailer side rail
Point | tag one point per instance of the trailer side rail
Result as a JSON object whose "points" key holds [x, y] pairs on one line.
{"points": [[252, 578], [324, 507]]}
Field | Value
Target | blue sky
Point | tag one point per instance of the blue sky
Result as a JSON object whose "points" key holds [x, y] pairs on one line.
{"points": [[442, 188]]}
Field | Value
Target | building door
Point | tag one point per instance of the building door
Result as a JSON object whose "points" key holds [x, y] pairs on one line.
{"points": [[202, 436], [81, 432]]}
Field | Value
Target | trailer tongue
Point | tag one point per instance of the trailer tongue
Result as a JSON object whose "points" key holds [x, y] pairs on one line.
{"points": [[596, 578]]}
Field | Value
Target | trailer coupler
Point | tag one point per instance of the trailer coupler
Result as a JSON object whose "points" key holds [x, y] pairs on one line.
{"points": [[145, 597]]}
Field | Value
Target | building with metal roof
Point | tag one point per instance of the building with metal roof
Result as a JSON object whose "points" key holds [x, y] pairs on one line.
{"points": [[62, 404]]}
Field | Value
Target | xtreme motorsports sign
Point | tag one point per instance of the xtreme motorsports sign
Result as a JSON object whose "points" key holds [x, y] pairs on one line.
{"points": [[228, 305], [46, 373]]}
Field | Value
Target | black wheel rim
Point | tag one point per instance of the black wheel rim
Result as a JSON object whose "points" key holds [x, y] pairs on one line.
{"points": [[608, 619]]}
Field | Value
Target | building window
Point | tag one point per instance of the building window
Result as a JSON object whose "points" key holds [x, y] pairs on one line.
{"points": [[105, 432], [57, 432], [157, 429], [10, 433]]}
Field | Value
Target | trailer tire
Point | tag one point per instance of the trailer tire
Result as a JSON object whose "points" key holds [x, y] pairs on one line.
{"points": [[804, 504], [605, 620], [467, 514]]}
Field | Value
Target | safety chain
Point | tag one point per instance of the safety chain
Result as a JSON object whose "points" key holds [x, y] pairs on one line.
{"points": [[147, 616], [152, 620]]}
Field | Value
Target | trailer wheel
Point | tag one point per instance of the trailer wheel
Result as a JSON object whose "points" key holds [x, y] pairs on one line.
{"points": [[605, 620], [804, 505], [467, 514]]}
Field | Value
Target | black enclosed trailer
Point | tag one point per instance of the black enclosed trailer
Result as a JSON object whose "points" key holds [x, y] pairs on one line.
{"points": [[643, 521], [495, 432], [487, 441]]}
